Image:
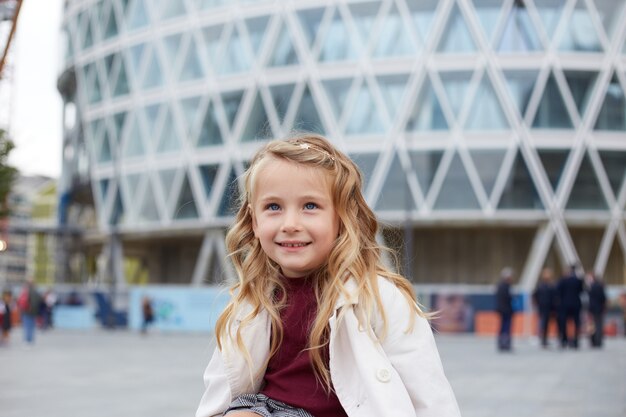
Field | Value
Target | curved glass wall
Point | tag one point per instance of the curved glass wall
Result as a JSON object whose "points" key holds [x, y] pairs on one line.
{"points": [[476, 111]]}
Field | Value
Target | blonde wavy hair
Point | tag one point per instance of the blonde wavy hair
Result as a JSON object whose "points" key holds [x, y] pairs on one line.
{"points": [[356, 254]]}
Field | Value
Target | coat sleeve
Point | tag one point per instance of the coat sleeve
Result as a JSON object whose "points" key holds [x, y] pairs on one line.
{"points": [[217, 393], [414, 355]]}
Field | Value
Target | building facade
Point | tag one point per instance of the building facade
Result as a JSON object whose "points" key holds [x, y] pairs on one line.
{"points": [[490, 133]]}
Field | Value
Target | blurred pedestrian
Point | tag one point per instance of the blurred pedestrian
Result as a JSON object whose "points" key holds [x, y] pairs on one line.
{"points": [[569, 290], [147, 314], [28, 303], [544, 298], [49, 301], [6, 310], [597, 308], [504, 307]]}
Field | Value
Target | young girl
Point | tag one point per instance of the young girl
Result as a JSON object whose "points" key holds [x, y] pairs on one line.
{"points": [[317, 325]]}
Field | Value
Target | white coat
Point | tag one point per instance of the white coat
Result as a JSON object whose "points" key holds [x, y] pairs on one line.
{"points": [[400, 376]]}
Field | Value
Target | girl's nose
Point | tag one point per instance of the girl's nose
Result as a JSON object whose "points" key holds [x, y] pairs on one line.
{"points": [[291, 222]]}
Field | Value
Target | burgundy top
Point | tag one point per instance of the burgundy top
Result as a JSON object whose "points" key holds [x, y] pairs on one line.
{"points": [[289, 376]]}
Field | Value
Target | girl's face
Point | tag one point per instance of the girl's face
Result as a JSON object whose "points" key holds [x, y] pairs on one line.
{"points": [[293, 216]]}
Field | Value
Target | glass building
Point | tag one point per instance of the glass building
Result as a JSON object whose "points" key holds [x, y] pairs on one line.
{"points": [[491, 133]]}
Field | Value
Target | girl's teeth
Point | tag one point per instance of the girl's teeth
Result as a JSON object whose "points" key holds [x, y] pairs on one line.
{"points": [[294, 245]]}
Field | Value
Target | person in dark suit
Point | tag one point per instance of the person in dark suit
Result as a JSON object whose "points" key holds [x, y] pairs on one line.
{"points": [[597, 307], [544, 298], [504, 307], [569, 290]]}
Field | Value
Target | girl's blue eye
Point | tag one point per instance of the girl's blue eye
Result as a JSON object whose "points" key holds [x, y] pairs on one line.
{"points": [[273, 207], [310, 206]]}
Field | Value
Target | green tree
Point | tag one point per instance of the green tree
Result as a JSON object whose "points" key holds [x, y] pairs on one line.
{"points": [[7, 172]]}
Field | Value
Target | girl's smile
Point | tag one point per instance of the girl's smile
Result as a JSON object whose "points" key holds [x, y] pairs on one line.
{"points": [[293, 216]]}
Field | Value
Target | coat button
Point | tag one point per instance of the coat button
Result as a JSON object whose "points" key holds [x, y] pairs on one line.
{"points": [[383, 375]]}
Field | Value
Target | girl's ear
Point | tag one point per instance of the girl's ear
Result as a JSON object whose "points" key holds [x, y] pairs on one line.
{"points": [[253, 217]]}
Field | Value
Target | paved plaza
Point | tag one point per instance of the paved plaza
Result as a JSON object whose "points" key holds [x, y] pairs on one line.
{"points": [[121, 373]]}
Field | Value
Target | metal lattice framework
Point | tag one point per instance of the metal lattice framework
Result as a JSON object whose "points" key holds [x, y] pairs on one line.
{"points": [[468, 112]]}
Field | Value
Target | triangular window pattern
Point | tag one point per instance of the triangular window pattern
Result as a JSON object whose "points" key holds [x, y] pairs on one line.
{"points": [[552, 113], [612, 114], [168, 140], [581, 85], [137, 15], [281, 97], [134, 142], [365, 116], [284, 52], [153, 77], [121, 84], [208, 173], [171, 46], [339, 43], [456, 85], [230, 198], [553, 162], [257, 123], [192, 67], [94, 137], [423, 14], [119, 121], [396, 193], [366, 163], [212, 37], [521, 84], [488, 163], [186, 204], [393, 90], [95, 91], [580, 33], [136, 56], [394, 38], [610, 12], [307, 117], [153, 116], [486, 112], [210, 133], [231, 101], [111, 64], [111, 29], [117, 212], [256, 32], [550, 12], [130, 185], [103, 184], [427, 113], [236, 57], [166, 178], [88, 38], [149, 212], [105, 154], [488, 12], [425, 165], [171, 8], [586, 193], [456, 37], [337, 93], [615, 167], [310, 20], [519, 191], [519, 33], [191, 110], [456, 192], [363, 15]]}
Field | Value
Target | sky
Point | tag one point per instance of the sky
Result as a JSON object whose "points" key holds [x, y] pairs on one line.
{"points": [[35, 112]]}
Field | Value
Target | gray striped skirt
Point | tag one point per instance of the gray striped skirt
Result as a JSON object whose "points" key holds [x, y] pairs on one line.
{"points": [[264, 406]]}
